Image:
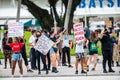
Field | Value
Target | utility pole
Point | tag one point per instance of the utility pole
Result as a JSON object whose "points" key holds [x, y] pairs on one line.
{"points": [[18, 11], [67, 17]]}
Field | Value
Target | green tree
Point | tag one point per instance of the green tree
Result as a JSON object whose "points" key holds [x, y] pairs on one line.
{"points": [[45, 18]]}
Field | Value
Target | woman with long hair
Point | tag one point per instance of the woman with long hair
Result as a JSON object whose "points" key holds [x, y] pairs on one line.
{"points": [[16, 57], [93, 50], [53, 50]]}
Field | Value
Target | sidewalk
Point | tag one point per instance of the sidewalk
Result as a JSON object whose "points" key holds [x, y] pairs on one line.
{"points": [[63, 71]]}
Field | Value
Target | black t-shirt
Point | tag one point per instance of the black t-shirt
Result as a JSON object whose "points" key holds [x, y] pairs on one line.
{"points": [[53, 39], [106, 43]]}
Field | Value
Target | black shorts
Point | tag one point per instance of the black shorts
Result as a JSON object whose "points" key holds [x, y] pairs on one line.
{"points": [[93, 52]]}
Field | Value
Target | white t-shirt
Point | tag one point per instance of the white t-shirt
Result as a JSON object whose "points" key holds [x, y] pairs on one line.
{"points": [[80, 47], [65, 42], [32, 40]]}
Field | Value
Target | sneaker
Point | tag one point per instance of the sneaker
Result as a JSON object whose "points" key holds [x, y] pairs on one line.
{"points": [[105, 71], [46, 71], [118, 65], [83, 72], [93, 69], [111, 71], [70, 66], [39, 72], [54, 70], [76, 72], [29, 70], [64, 64]]}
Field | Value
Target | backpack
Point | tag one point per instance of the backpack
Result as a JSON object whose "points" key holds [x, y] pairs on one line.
{"points": [[93, 47]]}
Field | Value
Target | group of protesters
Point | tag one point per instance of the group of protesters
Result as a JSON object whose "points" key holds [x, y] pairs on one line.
{"points": [[14, 49]]}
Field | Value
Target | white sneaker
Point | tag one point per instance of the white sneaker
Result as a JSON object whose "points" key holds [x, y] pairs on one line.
{"points": [[21, 76]]}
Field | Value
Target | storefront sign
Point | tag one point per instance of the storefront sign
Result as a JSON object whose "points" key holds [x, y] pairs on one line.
{"points": [[93, 4]]}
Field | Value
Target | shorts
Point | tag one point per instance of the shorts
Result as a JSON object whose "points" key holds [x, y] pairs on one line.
{"points": [[80, 55], [16, 57], [52, 51], [93, 52], [7, 53]]}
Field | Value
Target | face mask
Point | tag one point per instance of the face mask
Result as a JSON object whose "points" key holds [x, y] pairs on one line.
{"points": [[38, 35]]}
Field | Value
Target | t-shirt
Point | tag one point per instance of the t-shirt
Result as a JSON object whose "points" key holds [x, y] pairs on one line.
{"points": [[80, 47], [32, 40], [106, 43], [65, 42], [53, 39], [16, 46]]}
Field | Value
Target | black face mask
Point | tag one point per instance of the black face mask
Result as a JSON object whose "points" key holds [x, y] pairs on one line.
{"points": [[38, 35]]}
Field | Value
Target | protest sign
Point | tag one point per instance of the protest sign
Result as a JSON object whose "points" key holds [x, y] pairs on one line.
{"points": [[44, 44], [15, 29], [78, 32]]}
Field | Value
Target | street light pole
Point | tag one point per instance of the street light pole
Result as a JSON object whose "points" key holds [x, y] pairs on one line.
{"points": [[18, 11], [67, 17]]}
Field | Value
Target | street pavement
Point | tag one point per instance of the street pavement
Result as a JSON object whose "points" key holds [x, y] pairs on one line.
{"points": [[64, 73]]}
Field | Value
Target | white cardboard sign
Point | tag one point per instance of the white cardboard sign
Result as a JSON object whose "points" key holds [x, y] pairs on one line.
{"points": [[78, 32], [44, 44], [15, 29]]}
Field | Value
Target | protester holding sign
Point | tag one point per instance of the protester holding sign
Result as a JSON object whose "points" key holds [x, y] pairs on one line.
{"points": [[53, 50], [16, 48], [79, 49], [48, 61], [39, 54]]}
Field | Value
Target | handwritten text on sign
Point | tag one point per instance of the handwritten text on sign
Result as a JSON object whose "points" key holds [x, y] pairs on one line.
{"points": [[15, 29], [44, 44], [78, 32]]}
